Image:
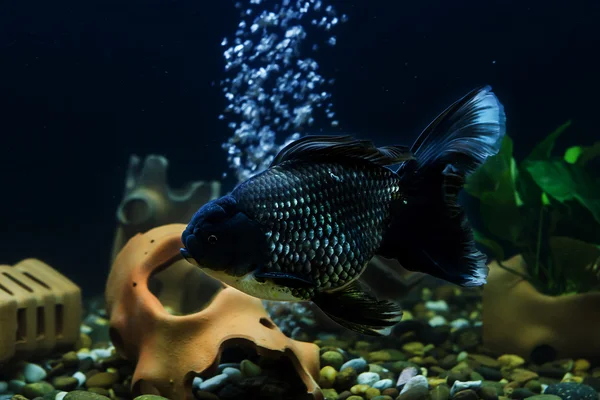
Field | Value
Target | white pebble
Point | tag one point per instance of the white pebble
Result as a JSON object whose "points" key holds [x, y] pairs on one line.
{"points": [[383, 384], [367, 378], [196, 382], [214, 383], [459, 386], [462, 356], [82, 355], [101, 353], [438, 320], [3, 387], [80, 376], [459, 323], [415, 381], [439, 306], [233, 373], [544, 387], [60, 395], [33, 373], [357, 364]]}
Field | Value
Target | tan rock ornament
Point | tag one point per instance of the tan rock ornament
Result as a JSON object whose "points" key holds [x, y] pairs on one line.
{"points": [[172, 349]]}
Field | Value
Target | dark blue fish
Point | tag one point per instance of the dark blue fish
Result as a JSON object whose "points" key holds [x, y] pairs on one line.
{"points": [[306, 228]]}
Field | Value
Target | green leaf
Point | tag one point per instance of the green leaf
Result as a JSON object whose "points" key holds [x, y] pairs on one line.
{"points": [[572, 154], [493, 184], [544, 148], [495, 248], [564, 182], [588, 153], [576, 263], [485, 178]]}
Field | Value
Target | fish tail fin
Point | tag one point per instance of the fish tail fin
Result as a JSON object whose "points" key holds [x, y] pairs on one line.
{"points": [[429, 232]]}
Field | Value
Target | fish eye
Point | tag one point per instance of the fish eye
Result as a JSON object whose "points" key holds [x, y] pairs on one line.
{"points": [[212, 239]]}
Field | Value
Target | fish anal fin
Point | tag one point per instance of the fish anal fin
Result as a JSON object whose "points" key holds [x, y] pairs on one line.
{"points": [[354, 309]]}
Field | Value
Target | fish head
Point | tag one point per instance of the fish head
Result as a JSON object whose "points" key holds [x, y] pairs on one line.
{"points": [[220, 237]]}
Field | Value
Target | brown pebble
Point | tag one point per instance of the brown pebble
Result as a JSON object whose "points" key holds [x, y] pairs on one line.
{"points": [[344, 395], [449, 361], [102, 379], [484, 360], [415, 393], [520, 375], [65, 383], [468, 394], [70, 359], [488, 393], [101, 391], [84, 342], [440, 392], [57, 370], [392, 392]]}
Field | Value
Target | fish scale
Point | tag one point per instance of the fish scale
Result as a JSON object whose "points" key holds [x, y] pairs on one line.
{"points": [[323, 220]]}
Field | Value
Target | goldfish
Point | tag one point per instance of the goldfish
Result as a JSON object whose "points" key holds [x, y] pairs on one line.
{"points": [[306, 228]]}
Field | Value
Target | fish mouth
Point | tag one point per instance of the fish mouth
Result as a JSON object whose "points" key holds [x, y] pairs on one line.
{"points": [[188, 257]]}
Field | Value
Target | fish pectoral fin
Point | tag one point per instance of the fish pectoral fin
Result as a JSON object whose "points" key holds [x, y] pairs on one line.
{"points": [[285, 279], [358, 311]]}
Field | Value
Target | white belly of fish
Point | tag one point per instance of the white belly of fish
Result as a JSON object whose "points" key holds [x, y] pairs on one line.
{"points": [[266, 290]]}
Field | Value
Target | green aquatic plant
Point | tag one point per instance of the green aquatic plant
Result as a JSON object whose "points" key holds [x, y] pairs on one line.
{"points": [[546, 208]]}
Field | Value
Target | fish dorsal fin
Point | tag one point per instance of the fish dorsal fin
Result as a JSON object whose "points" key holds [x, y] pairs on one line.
{"points": [[313, 147]]}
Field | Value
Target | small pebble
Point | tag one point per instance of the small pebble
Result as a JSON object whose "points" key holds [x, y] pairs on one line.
{"points": [[581, 365], [511, 360], [102, 379], [437, 306], [233, 373], [383, 384], [101, 353], [521, 393], [332, 358], [196, 382], [82, 395], [460, 386], [440, 392], [330, 394], [406, 375], [327, 375], [488, 393], [38, 389], [415, 381], [65, 383], [371, 393], [80, 376], [33, 373], [359, 389], [467, 394], [415, 393], [462, 356], [214, 383], [392, 392], [359, 365], [438, 320], [414, 348], [16, 385], [60, 395], [460, 323], [249, 369], [367, 378]]}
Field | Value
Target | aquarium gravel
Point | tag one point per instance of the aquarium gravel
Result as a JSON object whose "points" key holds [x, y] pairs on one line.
{"points": [[436, 354]]}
